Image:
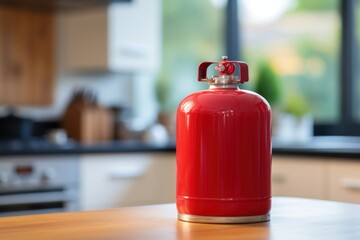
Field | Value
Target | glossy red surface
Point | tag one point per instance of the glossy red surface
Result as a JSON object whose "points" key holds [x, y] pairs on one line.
{"points": [[223, 154]]}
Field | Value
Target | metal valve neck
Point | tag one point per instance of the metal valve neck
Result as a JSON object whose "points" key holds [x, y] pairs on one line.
{"points": [[223, 81]]}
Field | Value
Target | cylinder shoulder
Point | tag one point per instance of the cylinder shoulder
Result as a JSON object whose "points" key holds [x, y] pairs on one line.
{"points": [[237, 98]]}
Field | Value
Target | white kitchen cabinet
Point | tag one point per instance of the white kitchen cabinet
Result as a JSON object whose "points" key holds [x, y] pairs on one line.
{"points": [[123, 37], [118, 180], [128, 179]]}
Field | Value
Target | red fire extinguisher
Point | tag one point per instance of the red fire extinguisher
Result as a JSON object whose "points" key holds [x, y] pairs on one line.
{"points": [[223, 150]]}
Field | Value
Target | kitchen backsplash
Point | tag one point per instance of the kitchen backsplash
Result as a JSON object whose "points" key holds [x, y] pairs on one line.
{"points": [[111, 89]]}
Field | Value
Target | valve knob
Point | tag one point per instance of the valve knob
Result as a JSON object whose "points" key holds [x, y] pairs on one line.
{"points": [[224, 67], [47, 175]]}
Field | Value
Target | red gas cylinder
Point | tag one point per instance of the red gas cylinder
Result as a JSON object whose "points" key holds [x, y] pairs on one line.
{"points": [[223, 150]]}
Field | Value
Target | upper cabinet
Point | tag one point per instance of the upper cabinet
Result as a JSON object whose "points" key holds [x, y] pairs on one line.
{"points": [[120, 38], [26, 56], [58, 4]]}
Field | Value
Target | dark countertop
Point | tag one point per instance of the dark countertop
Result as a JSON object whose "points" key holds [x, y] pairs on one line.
{"points": [[347, 147], [46, 148], [325, 146]]}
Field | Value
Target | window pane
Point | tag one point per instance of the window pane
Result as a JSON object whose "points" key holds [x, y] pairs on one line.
{"points": [[357, 63], [300, 42], [193, 32]]}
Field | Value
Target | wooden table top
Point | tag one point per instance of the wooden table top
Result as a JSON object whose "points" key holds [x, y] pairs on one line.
{"points": [[291, 218]]}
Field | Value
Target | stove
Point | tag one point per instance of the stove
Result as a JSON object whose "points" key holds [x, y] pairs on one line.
{"points": [[38, 184]]}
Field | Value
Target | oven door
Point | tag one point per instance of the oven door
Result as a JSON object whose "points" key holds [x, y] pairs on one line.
{"points": [[35, 200]]}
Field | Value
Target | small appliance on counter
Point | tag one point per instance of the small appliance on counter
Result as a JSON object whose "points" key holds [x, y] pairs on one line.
{"points": [[15, 127], [223, 150], [22, 133]]}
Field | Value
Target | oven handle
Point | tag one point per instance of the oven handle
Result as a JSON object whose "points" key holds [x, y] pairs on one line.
{"points": [[45, 197]]}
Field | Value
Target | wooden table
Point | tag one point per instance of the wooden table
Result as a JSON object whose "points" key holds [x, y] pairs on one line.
{"points": [[291, 218]]}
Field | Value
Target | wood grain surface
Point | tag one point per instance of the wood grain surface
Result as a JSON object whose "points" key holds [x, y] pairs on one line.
{"points": [[26, 56], [291, 218]]}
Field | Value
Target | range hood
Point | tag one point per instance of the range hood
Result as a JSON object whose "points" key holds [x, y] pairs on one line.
{"points": [[58, 4]]}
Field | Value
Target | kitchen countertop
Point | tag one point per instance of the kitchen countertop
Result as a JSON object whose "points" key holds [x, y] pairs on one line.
{"points": [[347, 147], [291, 218], [46, 148], [326, 146]]}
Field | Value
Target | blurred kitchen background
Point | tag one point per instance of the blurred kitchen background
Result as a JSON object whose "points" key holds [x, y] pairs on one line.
{"points": [[89, 91]]}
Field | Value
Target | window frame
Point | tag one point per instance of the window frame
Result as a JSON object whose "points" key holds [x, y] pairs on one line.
{"points": [[347, 124]]}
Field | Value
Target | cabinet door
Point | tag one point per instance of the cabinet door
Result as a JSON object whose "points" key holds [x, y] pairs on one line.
{"points": [[26, 56], [2, 67], [85, 39], [298, 177], [344, 181], [119, 180], [135, 43]]}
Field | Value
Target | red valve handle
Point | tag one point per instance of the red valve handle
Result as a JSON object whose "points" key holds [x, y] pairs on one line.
{"points": [[225, 68]]}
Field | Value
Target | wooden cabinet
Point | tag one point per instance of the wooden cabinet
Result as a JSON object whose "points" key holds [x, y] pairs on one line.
{"points": [[315, 177], [298, 177], [344, 180], [26, 56], [117, 180], [50, 5]]}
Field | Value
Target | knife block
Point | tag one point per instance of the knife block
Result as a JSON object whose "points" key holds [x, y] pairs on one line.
{"points": [[87, 123]]}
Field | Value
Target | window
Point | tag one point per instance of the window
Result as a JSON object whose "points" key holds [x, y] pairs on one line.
{"points": [[299, 39], [192, 34], [335, 102]]}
